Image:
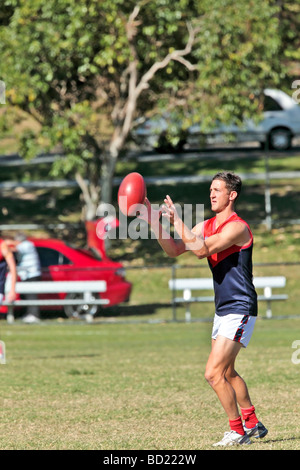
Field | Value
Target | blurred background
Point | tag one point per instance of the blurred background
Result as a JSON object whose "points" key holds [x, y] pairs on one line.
{"points": [[176, 90]]}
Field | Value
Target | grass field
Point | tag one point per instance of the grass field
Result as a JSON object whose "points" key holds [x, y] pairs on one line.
{"points": [[122, 384], [138, 386]]}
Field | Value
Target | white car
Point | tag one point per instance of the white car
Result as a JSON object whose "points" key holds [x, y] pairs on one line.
{"points": [[151, 133], [280, 124]]}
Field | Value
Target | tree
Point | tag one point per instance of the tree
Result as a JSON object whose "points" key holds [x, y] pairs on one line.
{"points": [[289, 24], [238, 52], [86, 70], [79, 69]]}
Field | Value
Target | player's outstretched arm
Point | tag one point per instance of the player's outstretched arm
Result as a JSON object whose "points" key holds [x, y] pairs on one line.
{"points": [[235, 233], [171, 247], [192, 239]]}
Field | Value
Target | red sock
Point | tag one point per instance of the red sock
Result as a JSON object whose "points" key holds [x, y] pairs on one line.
{"points": [[249, 416], [237, 425]]}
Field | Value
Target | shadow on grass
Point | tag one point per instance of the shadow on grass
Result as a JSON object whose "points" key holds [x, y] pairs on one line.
{"points": [[134, 310], [270, 441], [115, 312]]}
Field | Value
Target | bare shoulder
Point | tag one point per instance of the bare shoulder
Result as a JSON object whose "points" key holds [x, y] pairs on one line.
{"points": [[236, 225], [239, 231]]}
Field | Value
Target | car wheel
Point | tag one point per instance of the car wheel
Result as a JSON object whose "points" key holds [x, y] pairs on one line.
{"points": [[280, 139], [78, 311]]}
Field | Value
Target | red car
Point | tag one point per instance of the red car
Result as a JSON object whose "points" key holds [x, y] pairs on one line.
{"points": [[61, 262]]}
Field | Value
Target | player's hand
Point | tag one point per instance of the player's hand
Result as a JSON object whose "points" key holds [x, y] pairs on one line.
{"points": [[150, 215], [11, 296], [170, 211]]}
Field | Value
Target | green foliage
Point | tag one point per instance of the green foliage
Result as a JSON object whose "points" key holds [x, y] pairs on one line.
{"points": [[65, 62], [289, 17], [238, 56], [73, 66]]}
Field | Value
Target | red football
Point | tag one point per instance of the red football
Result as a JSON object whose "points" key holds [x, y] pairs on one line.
{"points": [[132, 191]]}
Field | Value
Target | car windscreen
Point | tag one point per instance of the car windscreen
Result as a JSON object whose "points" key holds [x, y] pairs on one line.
{"points": [[50, 257]]}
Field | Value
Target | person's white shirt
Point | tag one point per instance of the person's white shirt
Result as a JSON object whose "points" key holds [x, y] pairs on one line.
{"points": [[28, 262]]}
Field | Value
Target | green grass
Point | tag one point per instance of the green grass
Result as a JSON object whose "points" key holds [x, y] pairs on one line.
{"points": [[137, 386], [123, 384]]}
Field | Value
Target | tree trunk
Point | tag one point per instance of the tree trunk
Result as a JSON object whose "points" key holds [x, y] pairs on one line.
{"points": [[109, 165], [90, 196], [106, 181], [106, 184]]}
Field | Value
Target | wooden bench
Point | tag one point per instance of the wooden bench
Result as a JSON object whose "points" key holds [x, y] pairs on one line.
{"points": [[86, 288], [194, 284]]}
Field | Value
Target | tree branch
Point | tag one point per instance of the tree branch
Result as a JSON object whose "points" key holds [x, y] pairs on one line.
{"points": [[124, 113], [84, 186], [131, 25], [177, 55]]}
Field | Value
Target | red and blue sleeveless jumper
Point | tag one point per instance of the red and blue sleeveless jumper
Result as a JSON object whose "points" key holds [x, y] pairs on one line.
{"points": [[232, 273]]}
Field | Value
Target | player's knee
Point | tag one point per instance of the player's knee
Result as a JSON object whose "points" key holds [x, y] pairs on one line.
{"points": [[208, 376], [215, 375], [212, 376]]}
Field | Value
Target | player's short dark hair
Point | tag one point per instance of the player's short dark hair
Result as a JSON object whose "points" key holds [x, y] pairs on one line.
{"points": [[233, 182]]}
